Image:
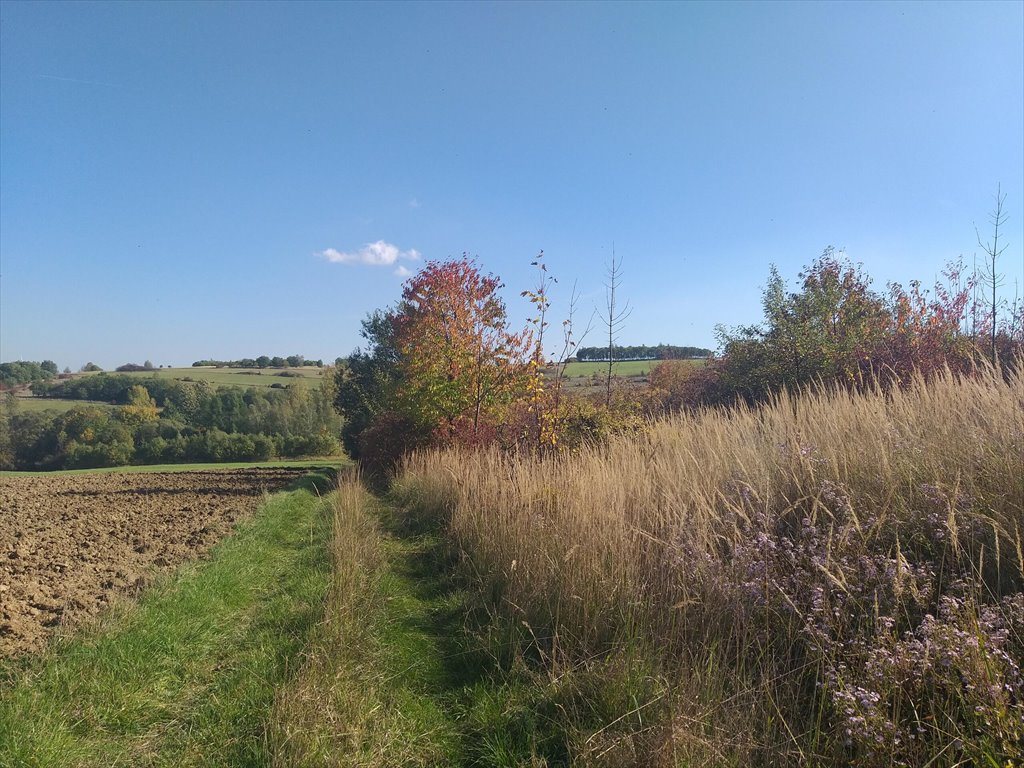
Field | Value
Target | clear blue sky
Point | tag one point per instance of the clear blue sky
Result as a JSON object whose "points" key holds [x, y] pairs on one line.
{"points": [[175, 179]]}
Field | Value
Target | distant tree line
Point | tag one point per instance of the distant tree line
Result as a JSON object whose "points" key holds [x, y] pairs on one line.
{"points": [[20, 372], [135, 367], [165, 421], [263, 361], [641, 352]]}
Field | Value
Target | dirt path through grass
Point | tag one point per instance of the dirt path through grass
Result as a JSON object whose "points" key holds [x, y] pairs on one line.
{"points": [[270, 654]]}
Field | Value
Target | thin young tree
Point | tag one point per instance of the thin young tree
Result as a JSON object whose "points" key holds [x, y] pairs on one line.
{"points": [[614, 318], [570, 342], [541, 302], [990, 275]]}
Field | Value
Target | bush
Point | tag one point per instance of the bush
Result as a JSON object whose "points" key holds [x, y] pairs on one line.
{"points": [[386, 440]]}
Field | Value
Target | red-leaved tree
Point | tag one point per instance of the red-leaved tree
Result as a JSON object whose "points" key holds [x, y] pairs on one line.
{"points": [[460, 360]]}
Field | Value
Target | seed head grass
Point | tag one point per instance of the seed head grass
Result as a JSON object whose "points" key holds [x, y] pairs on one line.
{"points": [[832, 577]]}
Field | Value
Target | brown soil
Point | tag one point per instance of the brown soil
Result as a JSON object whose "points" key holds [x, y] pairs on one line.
{"points": [[69, 543]]}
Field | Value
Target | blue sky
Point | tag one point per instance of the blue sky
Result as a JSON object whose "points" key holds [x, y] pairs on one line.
{"points": [[181, 181]]}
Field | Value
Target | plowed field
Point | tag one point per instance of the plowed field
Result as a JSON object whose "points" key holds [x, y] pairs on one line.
{"points": [[69, 543]]}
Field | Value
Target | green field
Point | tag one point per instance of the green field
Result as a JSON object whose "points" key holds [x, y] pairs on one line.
{"points": [[40, 404], [237, 377], [624, 368]]}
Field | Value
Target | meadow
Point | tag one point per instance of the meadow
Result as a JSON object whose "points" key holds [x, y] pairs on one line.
{"points": [[236, 377], [40, 404], [624, 368]]}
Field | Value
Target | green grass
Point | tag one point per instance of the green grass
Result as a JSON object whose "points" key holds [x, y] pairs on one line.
{"points": [[624, 368], [373, 691], [328, 462], [237, 377], [187, 675], [41, 404]]}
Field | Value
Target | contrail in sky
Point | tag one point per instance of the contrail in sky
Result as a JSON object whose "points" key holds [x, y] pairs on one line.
{"points": [[76, 80]]}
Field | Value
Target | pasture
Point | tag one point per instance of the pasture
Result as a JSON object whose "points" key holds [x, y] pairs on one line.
{"points": [[41, 404], [624, 368], [234, 377]]}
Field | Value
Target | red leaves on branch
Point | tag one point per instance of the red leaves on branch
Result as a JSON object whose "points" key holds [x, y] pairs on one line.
{"points": [[460, 360]]}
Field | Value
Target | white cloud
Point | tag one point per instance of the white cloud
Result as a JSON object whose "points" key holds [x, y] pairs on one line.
{"points": [[414, 203], [403, 271], [378, 254]]}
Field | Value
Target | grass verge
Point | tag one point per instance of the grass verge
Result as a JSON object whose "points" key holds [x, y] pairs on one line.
{"points": [[186, 675]]}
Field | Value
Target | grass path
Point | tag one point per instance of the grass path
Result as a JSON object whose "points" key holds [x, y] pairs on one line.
{"points": [[470, 710], [187, 675], [481, 693], [324, 632], [402, 675]]}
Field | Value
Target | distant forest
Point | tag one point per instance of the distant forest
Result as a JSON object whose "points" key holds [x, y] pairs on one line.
{"points": [[642, 352], [24, 372], [133, 420], [263, 361]]}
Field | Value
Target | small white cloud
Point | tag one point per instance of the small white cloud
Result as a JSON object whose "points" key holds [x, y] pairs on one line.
{"points": [[414, 203], [403, 271], [378, 254]]}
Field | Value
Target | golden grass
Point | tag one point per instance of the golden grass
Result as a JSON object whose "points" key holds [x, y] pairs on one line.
{"points": [[653, 542], [325, 714]]}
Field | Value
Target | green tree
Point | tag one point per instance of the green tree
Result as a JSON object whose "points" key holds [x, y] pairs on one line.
{"points": [[828, 330], [367, 381], [8, 408]]}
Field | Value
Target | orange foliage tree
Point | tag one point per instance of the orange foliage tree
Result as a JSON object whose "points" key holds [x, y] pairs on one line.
{"points": [[460, 361]]}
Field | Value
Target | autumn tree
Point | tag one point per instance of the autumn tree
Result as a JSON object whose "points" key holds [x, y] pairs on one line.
{"points": [[825, 331], [546, 375], [925, 332], [459, 359], [141, 407]]}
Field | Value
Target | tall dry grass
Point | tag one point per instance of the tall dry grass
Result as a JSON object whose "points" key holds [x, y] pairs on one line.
{"points": [[328, 713], [833, 578]]}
